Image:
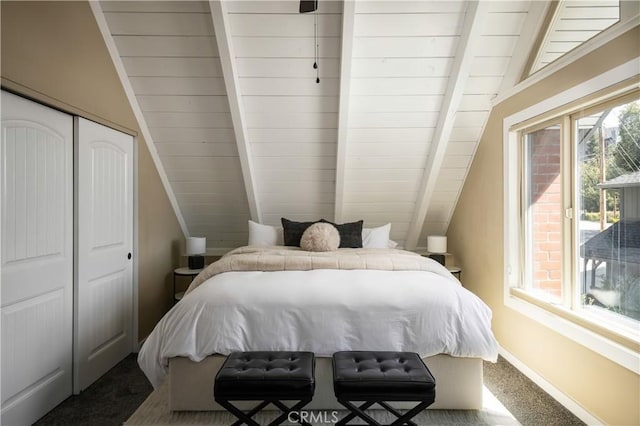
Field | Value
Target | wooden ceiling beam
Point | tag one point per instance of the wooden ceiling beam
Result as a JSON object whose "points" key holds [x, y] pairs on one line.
{"points": [[528, 43], [222, 30], [348, 18], [475, 16]]}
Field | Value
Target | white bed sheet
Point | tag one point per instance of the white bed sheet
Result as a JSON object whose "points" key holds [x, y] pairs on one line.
{"points": [[322, 311]]}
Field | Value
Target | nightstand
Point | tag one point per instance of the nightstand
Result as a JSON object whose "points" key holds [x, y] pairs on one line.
{"points": [[455, 271], [182, 272], [448, 260]]}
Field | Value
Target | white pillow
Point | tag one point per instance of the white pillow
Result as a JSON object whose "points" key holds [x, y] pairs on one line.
{"points": [[264, 235], [376, 237]]}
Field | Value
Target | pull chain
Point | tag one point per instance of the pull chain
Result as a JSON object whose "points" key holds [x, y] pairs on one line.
{"points": [[317, 46]]}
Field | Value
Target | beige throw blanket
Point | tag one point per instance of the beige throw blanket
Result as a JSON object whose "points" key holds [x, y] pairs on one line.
{"points": [[282, 258]]}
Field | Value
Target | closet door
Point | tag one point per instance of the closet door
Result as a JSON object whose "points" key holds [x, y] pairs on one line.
{"points": [[104, 243], [37, 259]]}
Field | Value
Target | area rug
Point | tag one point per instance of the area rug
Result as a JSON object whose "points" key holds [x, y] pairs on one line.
{"points": [[155, 411]]}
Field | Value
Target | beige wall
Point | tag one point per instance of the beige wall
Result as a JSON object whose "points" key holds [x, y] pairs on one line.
{"points": [[602, 387], [53, 52]]}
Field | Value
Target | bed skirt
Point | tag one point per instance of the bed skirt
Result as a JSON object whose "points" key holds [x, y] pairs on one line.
{"points": [[458, 384]]}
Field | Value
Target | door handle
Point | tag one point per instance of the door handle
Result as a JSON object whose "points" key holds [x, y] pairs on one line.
{"points": [[129, 256]]}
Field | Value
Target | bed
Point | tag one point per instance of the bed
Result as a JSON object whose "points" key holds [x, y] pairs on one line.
{"points": [[284, 298]]}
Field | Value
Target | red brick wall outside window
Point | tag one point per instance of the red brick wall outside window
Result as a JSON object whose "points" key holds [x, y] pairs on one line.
{"points": [[545, 210]]}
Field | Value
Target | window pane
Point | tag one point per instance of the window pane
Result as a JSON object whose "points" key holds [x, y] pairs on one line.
{"points": [[608, 177], [544, 208]]}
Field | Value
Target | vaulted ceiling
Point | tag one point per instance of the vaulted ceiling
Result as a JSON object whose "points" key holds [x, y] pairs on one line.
{"points": [[227, 95]]}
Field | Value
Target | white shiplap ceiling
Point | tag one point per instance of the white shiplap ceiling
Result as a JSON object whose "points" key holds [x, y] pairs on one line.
{"points": [[243, 131], [573, 23]]}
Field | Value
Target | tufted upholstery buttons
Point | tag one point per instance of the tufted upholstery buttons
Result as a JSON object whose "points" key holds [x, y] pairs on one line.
{"points": [[401, 375], [379, 377], [270, 377], [251, 375]]}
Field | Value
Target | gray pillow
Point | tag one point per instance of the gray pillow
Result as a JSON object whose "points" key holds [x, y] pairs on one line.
{"points": [[350, 233], [292, 231]]}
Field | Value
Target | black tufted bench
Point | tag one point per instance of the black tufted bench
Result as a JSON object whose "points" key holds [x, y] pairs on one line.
{"points": [[378, 377], [270, 377]]}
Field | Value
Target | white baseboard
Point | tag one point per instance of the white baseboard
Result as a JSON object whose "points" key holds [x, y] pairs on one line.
{"points": [[578, 410]]}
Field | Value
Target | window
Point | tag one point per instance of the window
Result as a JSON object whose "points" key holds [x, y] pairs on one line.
{"points": [[572, 213], [589, 160], [606, 247], [608, 202]]}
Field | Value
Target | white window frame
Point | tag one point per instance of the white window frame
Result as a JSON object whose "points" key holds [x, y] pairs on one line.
{"points": [[513, 240]]}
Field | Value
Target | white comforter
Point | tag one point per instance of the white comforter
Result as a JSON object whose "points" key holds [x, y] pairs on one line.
{"points": [[322, 311]]}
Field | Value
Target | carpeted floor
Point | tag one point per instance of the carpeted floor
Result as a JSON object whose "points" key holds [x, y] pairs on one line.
{"points": [[523, 398], [109, 401], [155, 411], [116, 396]]}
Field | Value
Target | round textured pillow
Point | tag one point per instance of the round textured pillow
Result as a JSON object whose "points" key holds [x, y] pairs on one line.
{"points": [[320, 237]]}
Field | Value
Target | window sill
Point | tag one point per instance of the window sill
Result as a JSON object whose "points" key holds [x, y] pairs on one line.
{"points": [[621, 348]]}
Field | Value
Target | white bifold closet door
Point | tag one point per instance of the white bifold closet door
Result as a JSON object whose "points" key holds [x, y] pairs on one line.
{"points": [[104, 244], [37, 259]]}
